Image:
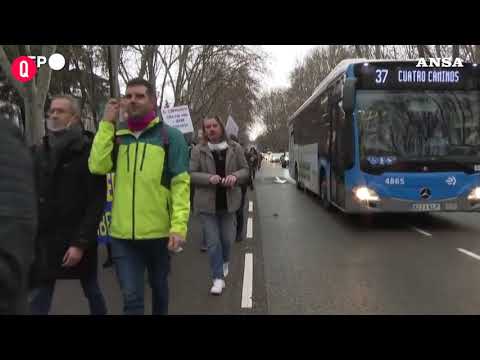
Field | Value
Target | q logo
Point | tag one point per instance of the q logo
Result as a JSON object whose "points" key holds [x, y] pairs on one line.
{"points": [[23, 69]]}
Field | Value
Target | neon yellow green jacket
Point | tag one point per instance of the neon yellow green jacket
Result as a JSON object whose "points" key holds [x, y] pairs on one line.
{"points": [[145, 205]]}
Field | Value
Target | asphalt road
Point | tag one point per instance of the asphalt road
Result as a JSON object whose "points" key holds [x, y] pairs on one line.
{"points": [[189, 280], [319, 262], [310, 261]]}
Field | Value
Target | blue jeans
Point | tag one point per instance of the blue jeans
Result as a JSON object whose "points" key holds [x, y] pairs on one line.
{"points": [[220, 231], [131, 257], [41, 297]]}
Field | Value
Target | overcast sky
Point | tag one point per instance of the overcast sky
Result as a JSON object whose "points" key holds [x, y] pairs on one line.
{"points": [[282, 59]]}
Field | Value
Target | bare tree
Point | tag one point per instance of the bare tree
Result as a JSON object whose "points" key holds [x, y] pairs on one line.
{"points": [[476, 54], [33, 92], [424, 51], [208, 77], [358, 51], [455, 51]]}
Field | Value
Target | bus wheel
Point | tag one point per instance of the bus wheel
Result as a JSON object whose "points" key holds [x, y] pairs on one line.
{"points": [[323, 193], [299, 186]]}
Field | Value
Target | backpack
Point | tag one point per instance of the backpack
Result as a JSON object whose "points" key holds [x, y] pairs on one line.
{"points": [[166, 178]]}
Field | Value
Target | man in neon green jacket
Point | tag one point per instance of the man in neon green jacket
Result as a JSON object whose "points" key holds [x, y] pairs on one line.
{"points": [[151, 201]]}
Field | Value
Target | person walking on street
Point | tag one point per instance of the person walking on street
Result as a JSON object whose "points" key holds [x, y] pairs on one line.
{"points": [[18, 220], [203, 238], [70, 202], [241, 211], [151, 195], [252, 163], [218, 167]]}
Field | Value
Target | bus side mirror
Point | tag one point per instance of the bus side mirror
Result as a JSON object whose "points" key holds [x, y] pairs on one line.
{"points": [[349, 95]]}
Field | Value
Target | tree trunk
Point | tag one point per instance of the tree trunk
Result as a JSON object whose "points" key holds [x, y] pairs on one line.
{"points": [[113, 64], [476, 58], [455, 51], [358, 51], [34, 120], [438, 51], [421, 51], [378, 53], [92, 99], [181, 73], [152, 79]]}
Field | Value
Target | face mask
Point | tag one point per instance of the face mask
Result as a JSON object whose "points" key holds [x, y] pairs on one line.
{"points": [[51, 126]]}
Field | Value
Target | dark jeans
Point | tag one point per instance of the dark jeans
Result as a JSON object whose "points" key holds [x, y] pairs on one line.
{"points": [[41, 297], [240, 214], [131, 258]]}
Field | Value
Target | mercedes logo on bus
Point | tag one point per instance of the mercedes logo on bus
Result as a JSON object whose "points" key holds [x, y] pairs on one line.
{"points": [[425, 193]]}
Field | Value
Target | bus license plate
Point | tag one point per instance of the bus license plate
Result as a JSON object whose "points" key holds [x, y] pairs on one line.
{"points": [[426, 207]]}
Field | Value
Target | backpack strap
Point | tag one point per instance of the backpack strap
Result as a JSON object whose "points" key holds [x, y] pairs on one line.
{"points": [[166, 176]]}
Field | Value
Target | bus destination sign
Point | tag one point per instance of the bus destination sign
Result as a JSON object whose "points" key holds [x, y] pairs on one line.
{"points": [[409, 76]]}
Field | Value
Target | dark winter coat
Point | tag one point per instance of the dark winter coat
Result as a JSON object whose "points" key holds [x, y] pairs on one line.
{"points": [[70, 202], [18, 220]]}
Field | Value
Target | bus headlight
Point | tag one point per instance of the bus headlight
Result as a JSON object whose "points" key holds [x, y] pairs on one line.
{"points": [[474, 194], [364, 193]]}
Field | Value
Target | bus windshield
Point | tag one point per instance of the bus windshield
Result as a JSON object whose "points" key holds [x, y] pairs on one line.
{"points": [[418, 126]]}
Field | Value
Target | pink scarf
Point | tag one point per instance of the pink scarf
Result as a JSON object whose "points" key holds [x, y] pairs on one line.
{"points": [[138, 123]]}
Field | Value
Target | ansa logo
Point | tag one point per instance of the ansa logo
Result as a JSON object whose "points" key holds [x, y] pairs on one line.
{"points": [[439, 62]]}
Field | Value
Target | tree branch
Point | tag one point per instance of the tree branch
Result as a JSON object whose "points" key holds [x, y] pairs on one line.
{"points": [[123, 71], [44, 74], [5, 64]]}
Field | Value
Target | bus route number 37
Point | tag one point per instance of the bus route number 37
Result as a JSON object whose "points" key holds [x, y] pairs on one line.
{"points": [[395, 181], [381, 76]]}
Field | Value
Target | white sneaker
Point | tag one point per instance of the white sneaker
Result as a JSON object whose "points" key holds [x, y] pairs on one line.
{"points": [[178, 250], [225, 269], [218, 285]]}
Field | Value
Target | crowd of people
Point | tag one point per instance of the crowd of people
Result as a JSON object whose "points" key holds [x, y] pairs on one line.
{"points": [[52, 199]]}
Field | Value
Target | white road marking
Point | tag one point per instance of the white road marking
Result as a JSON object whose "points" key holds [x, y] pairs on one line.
{"points": [[250, 206], [279, 181], [247, 281], [421, 231], [469, 253], [289, 179], [249, 228]]}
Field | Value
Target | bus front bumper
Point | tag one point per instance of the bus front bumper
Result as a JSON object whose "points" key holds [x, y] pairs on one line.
{"points": [[393, 205]]}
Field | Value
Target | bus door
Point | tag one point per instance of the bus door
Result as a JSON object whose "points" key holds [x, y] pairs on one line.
{"points": [[337, 174]]}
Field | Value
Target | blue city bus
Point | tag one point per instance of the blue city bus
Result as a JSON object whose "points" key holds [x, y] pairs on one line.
{"points": [[389, 136]]}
